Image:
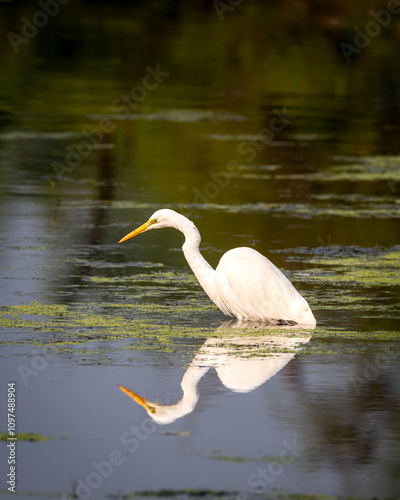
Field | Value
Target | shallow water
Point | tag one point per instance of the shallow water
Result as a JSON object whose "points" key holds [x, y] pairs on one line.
{"points": [[233, 412]]}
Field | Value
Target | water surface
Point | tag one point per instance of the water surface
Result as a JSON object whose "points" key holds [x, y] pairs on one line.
{"points": [[264, 136]]}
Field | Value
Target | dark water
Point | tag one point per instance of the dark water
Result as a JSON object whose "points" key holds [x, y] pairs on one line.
{"points": [[257, 128]]}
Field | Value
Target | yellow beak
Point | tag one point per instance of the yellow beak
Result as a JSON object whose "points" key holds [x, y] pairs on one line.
{"points": [[139, 230], [137, 398]]}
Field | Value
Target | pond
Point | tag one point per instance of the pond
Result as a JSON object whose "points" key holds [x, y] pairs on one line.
{"points": [[128, 381]]}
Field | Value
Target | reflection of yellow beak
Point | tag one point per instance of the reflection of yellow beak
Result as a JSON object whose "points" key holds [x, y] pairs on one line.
{"points": [[137, 398], [139, 230]]}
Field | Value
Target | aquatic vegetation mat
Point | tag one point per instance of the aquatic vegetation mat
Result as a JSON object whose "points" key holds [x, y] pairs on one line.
{"points": [[163, 310], [26, 436], [92, 329]]}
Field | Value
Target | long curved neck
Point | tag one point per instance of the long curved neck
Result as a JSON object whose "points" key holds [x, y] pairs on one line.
{"points": [[190, 397], [200, 267]]}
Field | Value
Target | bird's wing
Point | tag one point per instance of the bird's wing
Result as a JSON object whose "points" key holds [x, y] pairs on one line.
{"points": [[250, 286]]}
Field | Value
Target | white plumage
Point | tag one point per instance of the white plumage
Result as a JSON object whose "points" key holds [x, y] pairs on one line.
{"points": [[257, 289], [245, 284]]}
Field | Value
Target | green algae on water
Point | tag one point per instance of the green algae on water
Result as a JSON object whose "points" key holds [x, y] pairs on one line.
{"points": [[218, 455], [25, 436], [137, 326], [382, 269]]}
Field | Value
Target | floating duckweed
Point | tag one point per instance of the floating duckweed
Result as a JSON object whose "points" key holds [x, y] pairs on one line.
{"points": [[218, 455], [36, 308], [381, 269], [24, 436]]}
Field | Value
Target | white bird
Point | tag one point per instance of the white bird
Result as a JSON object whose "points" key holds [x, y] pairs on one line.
{"points": [[245, 284]]}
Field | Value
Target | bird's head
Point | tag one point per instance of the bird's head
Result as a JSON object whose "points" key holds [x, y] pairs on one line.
{"points": [[162, 218], [151, 408], [162, 414]]}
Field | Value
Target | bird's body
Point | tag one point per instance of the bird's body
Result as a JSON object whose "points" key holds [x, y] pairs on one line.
{"points": [[258, 289], [245, 284]]}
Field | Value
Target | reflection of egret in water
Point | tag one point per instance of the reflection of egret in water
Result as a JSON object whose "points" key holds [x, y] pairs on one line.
{"points": [[242, 363]]}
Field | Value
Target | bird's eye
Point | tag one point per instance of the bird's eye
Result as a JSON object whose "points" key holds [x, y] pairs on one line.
{"points": [[153, 221]]}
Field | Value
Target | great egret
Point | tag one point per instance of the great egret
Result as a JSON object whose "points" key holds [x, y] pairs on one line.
{"points": [[245, 284]]}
